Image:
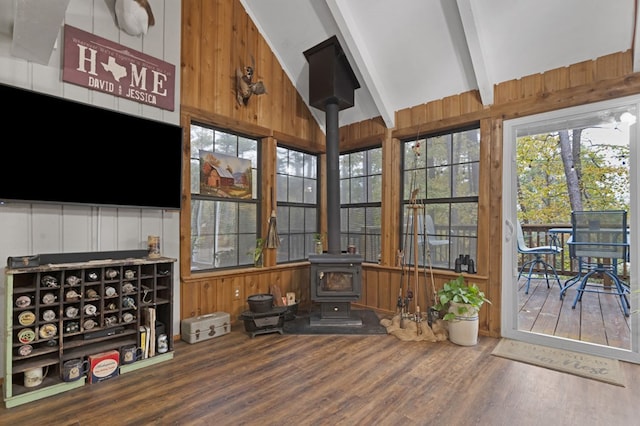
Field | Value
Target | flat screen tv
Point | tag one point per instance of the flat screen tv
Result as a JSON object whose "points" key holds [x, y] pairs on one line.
{"points": [[59, 151]]}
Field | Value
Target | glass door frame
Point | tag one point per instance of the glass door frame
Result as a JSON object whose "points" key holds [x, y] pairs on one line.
{"points": [[509, 320]]}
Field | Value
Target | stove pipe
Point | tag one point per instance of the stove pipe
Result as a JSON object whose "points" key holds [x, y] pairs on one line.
{"points": [[331, 88]]}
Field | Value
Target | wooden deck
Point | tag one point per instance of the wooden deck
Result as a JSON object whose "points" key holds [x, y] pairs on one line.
{"points": [[598, 318]]}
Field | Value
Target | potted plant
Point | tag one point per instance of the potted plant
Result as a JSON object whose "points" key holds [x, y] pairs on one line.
{"points": [[317, 238], [256, 252], [460, 304]]}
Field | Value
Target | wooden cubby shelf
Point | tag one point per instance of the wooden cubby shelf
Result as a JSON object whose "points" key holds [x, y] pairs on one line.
{"points": [[70, 306]]}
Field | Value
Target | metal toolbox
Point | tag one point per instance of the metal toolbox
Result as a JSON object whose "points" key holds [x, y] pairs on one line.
{"points": [[205, 327]]}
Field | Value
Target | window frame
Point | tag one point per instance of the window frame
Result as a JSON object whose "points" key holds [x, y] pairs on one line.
{"points": [[282, 205], [438, 206], [368, 243], [242, 250]]}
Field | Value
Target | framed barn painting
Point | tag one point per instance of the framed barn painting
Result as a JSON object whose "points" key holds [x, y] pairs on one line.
{"points": [[224, 176]]}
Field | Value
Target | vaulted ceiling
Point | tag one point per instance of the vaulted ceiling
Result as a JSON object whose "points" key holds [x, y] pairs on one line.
{"points": [[409, 52], [403, 52]]}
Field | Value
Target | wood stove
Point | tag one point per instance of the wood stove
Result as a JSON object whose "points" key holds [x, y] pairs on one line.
{"points": [[336, 281], [335, 277]]}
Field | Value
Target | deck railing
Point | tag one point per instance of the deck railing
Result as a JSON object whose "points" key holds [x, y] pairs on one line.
{"points": [[538, 235]]}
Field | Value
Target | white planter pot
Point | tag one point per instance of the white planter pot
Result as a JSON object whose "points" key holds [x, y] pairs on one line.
{"points": [[463, 329]]}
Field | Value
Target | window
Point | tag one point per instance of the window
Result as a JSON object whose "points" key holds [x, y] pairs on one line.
{"points": [[360, 202], [441, 192], [224, 217], [297, 215]]}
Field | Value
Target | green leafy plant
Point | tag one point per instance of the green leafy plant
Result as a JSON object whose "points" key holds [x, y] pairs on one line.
{"points": [[257, 250], [458, 292]]}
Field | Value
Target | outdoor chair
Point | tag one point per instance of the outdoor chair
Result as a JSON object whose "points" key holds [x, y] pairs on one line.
{"points": [[600, 241], [538, 260], [438, 247]]}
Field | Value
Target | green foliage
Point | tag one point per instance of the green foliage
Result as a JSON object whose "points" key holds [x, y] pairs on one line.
{"points": [[457, 291], [543, 195]]}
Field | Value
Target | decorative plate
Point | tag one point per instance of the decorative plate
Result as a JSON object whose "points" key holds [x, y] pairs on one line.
{"points": [[47, 331], [26, 318], [26, 335]]}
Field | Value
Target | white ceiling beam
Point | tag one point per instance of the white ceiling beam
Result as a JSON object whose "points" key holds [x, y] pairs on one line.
{"points": [[355, 44], [471, 32]]}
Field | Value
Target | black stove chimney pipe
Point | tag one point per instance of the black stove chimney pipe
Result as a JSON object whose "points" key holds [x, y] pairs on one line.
{"points": [[333, 178], [331, 88]]}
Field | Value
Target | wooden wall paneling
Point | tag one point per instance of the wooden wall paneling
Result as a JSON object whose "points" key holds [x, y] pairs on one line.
{"points": [[581, 73], [434, 111], [226, 58], [507, 91], [269, 194], [280, 279], [387, 290], [275, 88], [531, 85], [264, 72], [185, 211], [210, 300], [370, 286], [190, 48], [556, 79], [189, 299], [390, 214], [207, 47], [614, 65], [494, 264], [470, 102], [243, 49], [403, 118], [484, 199], [451, 106], [418, 114]]}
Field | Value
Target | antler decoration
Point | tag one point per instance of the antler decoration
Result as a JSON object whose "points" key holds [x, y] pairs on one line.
{"points": [[245, 87]]}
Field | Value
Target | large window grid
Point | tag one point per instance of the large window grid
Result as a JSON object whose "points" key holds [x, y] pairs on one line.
{"points": [[442, 172], [361, 202], [223, 229], [297, 195]]}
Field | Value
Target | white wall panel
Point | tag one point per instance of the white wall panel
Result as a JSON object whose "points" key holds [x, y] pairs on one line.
{"points": [[46, 222], [76, 229]]}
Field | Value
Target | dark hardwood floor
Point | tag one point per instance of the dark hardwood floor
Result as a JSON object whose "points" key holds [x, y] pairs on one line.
{"points": [[598, 318], [275, 379]]}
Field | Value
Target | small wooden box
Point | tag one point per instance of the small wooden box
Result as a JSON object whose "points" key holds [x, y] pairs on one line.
{"points": [[103, 366], [205, 327]]}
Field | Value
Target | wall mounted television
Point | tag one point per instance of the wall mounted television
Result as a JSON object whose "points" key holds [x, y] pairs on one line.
{"points": [[65, 152]]}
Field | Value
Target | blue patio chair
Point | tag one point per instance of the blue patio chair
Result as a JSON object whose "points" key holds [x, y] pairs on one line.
{"points": [[600, 241], [538, 253]]}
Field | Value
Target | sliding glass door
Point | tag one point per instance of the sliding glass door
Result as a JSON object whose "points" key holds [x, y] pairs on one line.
{"points": [[583, 158]]}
